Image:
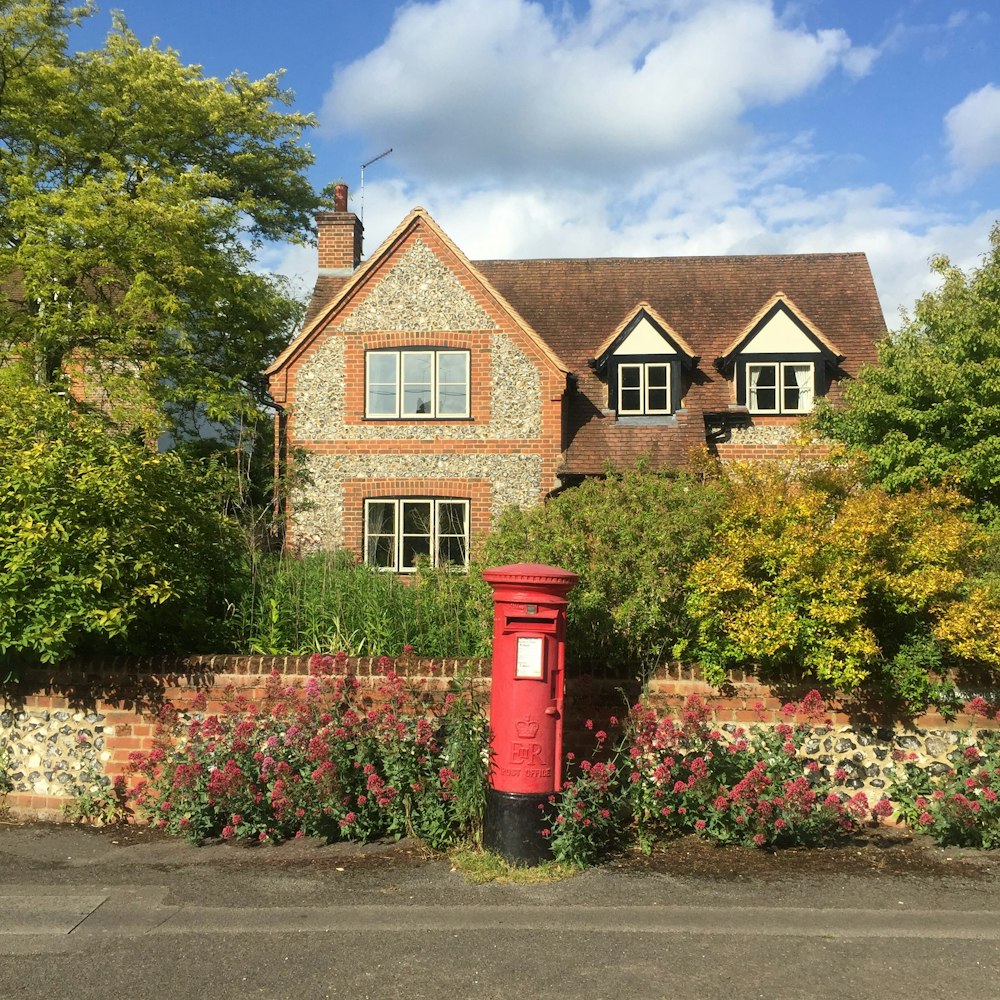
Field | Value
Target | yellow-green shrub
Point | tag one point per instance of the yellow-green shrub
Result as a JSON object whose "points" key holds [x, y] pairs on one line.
{"points": [[847, 583]]}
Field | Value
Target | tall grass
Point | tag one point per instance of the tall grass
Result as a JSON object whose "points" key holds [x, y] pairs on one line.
{"points": [[325, 602]]}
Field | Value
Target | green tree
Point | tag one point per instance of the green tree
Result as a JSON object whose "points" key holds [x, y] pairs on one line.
{"points": [[104, 544], [929, 411], [134, 194], [631, 538]]}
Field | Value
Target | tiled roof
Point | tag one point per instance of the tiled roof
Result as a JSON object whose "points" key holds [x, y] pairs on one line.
{"points": [[326, 287], [575, 304]]}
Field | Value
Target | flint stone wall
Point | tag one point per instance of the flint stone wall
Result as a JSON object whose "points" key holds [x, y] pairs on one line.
{"points": [[419, 295], [75, 726]]}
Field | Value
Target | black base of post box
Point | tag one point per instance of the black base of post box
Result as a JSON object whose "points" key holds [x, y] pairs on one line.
{"points": [[513, 827]]}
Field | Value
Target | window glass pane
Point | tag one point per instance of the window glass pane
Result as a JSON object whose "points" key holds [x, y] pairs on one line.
{"points": [[657, 375], [631, 401], [380, 532], [451, 551], [797, 390], [381, 552], [416, 517], [382, 384], [629, 376], [657, 401], [415, 549], [416, 379], [453, 383], [451, 518], [762, 392]]}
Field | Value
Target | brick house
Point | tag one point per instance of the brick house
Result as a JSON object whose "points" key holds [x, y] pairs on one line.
{"points": [[430, 392]]}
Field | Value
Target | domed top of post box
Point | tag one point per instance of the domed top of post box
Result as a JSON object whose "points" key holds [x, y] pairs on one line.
{"points": [[520, 577]]}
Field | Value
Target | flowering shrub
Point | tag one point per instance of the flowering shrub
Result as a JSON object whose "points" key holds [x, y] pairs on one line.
{"points": [[318, 760], [591, 814], [961, 807], [748, 787], [668, 777]]}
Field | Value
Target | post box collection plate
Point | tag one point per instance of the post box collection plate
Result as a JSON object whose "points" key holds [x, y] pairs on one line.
{"points": [[529, 663]]}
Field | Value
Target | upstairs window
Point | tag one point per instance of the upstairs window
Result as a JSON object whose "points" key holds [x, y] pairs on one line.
{"points": [[643, 388], [401, 533], [417, 384], [780, 387]]}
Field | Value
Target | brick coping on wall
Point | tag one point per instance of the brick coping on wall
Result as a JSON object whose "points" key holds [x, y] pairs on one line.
{"points": [[64, 725]]}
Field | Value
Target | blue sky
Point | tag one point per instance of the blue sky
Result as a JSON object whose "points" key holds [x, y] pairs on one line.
{"points": [[631, 127]]}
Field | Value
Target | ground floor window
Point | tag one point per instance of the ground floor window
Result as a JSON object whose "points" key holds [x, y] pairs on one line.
{"points": [[400, 533]]}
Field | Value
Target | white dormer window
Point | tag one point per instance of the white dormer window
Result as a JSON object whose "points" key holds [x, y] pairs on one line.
{"points": [[643, 362], [780, 387], [643, 388], [781, 362]]}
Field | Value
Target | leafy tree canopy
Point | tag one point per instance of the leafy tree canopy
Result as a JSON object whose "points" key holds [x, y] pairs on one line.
{"points": [[134, 192], [929, 411], [104, 544]]}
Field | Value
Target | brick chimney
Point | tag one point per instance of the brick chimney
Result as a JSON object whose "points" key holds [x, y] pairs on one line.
{"points": [[339, 235]]}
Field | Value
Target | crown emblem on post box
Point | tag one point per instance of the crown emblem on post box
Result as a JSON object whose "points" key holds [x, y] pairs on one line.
{"points": [[526, 729]]}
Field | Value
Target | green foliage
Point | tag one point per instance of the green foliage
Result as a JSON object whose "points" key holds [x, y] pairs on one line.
{"points": [[962, 806], [103, 543], [322, 759], [929, 411], [849, 584], [130, 214], [631, 538], [97, 801], [327, 601]]}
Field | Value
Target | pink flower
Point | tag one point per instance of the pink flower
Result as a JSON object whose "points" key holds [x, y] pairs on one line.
{"points": [[699, 824], [759, 839], [925, 818]]}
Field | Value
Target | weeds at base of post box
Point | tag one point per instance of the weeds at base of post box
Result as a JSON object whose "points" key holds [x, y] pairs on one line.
{"points": [[480, 867]]}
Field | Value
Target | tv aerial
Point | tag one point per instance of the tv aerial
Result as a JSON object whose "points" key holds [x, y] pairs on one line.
{"points": [[368, 163]]}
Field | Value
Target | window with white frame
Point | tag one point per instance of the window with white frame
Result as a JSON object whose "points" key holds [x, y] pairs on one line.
{"points": [[643, 388], [401, 533], [780, 387], [417, 384]]}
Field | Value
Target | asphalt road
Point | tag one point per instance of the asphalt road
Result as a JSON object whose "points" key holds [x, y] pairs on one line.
{"points": [[82, 916]]}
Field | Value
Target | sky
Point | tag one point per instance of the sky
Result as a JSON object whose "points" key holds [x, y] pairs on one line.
{"points": [[598, 128]]}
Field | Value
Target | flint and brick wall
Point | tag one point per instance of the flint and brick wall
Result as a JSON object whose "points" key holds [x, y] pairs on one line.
{"points": [[770, 439], [509, 447], [75, 726]]}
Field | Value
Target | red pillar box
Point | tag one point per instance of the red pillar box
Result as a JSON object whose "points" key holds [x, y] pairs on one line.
{"points": [[526, 702]]}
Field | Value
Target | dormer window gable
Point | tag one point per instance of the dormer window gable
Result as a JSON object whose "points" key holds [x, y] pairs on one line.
{"points": [[781, 362], [643, 361]]}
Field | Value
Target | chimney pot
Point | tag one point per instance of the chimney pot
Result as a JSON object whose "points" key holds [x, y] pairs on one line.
{"points": [[340, 197]]}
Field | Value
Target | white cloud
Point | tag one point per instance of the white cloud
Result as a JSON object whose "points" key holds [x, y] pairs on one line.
{"points": [[488, 88], [973, 132], [530, 132], [718, 205]]}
